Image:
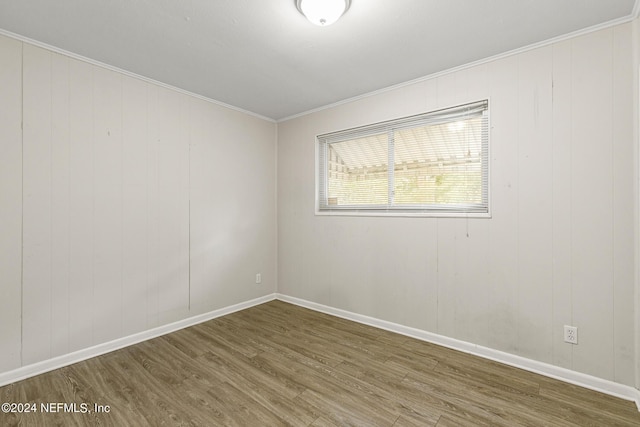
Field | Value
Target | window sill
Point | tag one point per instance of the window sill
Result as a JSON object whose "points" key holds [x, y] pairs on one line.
{"points": [[369, 213]]}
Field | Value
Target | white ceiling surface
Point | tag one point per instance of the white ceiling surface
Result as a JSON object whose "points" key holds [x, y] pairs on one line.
{"points": [[262, 56]]}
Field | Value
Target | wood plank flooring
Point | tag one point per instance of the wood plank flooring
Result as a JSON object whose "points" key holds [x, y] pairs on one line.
{"points": [[279, 364]]}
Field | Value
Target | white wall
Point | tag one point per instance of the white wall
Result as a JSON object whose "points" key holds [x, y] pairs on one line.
{"points": [[10, 201], [118, 213], [133, 205], [559, 248]]}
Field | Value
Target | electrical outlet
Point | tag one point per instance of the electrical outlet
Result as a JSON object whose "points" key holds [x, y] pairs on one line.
{"points": [[258, 278], [571, 334]]}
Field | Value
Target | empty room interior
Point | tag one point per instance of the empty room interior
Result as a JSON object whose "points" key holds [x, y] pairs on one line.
{"points": [[255, 213]]}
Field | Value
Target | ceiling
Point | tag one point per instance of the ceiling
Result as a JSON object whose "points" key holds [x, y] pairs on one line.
{"points": [[262, 56]]}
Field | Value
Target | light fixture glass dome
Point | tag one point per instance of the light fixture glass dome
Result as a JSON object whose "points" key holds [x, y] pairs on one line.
{"points": [[323, 12]]}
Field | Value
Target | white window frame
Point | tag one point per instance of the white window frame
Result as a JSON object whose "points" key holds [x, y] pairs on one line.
{"points": [[322, 209]]}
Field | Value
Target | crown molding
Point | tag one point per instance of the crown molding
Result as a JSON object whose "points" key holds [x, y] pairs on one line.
{"points": [[577, 33], [128, 73]]}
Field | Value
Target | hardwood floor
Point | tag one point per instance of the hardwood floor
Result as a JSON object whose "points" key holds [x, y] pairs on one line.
{"points": [[279, 364]]}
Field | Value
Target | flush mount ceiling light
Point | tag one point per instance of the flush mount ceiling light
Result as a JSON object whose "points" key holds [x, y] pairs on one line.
{"points": [[323, 12]]}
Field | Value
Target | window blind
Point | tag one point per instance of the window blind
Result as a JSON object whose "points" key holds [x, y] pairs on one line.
{"points": [[436, 162]]}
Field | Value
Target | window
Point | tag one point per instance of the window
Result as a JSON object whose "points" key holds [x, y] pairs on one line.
{"points": [[435, 163]]}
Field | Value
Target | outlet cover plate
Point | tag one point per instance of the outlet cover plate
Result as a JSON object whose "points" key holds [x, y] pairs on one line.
{"points": [[570, 334]]}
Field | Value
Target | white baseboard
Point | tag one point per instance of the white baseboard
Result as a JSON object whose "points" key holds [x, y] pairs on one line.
{"points": [[97, 350], [594, 383], [569, 376]]}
